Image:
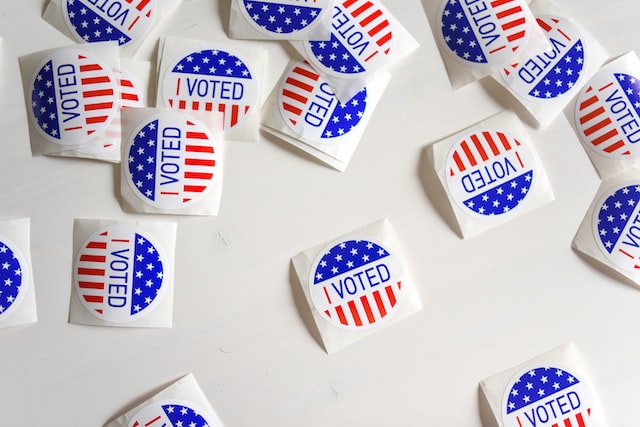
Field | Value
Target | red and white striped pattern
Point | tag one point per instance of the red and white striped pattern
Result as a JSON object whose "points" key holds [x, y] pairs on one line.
{"points": [[373, 20], [90, 270], [297, 90], [511, 17], [233, 113], [479, 148], [366, 309], [144, 8]]}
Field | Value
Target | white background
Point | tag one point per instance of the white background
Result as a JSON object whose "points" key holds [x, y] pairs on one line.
{"points": [[241, 324]]}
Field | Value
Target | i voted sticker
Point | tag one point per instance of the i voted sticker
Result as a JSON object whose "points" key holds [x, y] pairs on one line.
{"points": [[608, 114], [547, 396], [13, 277], [283, 18], [361, 42], [490, 173], [616, 226], [123, 21], [172, 161], [172, 413], [310, 108], [119, 273], [485, 32], [356, 284], [552, 73], [213, 80], [74, 97]]}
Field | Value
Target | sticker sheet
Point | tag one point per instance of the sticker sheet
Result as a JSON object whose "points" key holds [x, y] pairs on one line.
{"points": [[551, 390], [491, 173], [210, 76], [546, 82], [17, 291], [182, 404], [122, 273], [280, 19], [357, 284], [72, 95], [128, 23], [606, 116], [303, 111], [365, 39]]}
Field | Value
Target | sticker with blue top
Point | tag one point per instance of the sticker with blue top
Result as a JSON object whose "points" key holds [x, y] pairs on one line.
{"points": [[13, 277], [283, 18], [173, 413]]}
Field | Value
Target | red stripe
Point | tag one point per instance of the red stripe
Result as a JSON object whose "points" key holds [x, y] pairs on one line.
{"points": [[91, 285], [93, 258], [209, 106], [198, 148], [468, 153], [379, 303], [95, 80], [492, 143], [458, 160], [584, 104], [516, 36], [98, 106], [592, 115], [375, 30], [324, 288], [308, 74], [234, 114], [96, 119], [195, 105], [94, 93], [126, 83], [90, 67], [390, 295], [514, 23], [91, 271], [97, 245], [567, 422], [295, 95], [298, 83], [142, 4], [196, 135], [508, 12], [595, 128], [93, 298], [130, 96], [614, 147], [340, 313], [479, 147], [504, 140], [198, 175], [543, 25], [497, 3], [354, 313], [133, 23], [199, 162], [361, 9], [182, 104], [290, 108], [366, 21], [383, 40], [194, 188], [599, 140], [580, 419], [367, 309], [153, 421], [348, 3]]}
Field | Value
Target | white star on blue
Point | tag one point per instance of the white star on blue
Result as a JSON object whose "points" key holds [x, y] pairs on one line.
{"points": [[346, 116], [10, 277], [561, 78], [213, 62], [335, 56], [281, 18], [502, 198], [615, 213], [538, 384], [458, 34], [142, 160], [91, 26], [148, 274], [183, 416], [347, 256], [43, 101]]}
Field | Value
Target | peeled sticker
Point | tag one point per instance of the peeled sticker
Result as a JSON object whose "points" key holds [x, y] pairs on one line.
{"points": [[485, 33], [119, 273], [283, 17], [74, 97], [171, 160], [361, 42], [608, 115], [490, 173], [213, 80], [310, 108], [356, 284], [13, 277], [547, 396], [551, 73], [173, 413], [123, 21], [615, 226]]}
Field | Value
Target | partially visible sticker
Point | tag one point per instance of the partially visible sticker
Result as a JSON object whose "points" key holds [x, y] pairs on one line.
{"points": [[615, 226], [120, 273], [550, 74], [490, 173], [362, 40], [131, 94], [485, 33], [173, 413], [608, 114], [109, 20], [356, 284], [547, 396], [310, 108], [172, 160], [74, 97], [283, 18], [13, 277], [213, 80]]}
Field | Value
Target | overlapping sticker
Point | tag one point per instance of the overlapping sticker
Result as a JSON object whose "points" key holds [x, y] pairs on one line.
{"points": [[282, 18], [74, 97], [119, 273], [547, 396], [174, 413], [485, 33], [362, 40], [310, 108], [213, 80], [13, 277], [123, 21], [552, 73], [608, 114], [356, 284], [490, 173]]}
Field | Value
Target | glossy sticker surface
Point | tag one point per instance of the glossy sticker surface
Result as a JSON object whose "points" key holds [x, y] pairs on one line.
{"points": [[356, 284], [13, 277], [309, 107], [172, 413], [119, 273], [283, 18], [490, 173]]}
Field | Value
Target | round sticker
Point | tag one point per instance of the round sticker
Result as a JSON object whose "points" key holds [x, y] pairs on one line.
{"points": [[490, 173], [482, 34], [309, 107], [74, 97], [120, 273], [173, 413], [547, 396], [212, 80], [615, 226], [172, 161], [356, 284], [283, 18], [123, 21], [608, 114], [361, 40], [551, 73], [13, 277]]}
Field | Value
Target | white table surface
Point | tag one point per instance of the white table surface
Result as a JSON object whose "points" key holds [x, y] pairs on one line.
{"points": [[240, 323]]}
